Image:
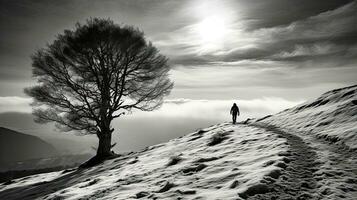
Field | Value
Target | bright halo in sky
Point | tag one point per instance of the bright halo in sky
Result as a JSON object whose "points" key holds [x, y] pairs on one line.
{"points": [[212, 30], [213, 24]]}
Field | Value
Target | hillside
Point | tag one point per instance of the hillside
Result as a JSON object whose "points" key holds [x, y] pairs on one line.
{"points": [[332, 117], [329, 126], [306, 152], [16, 146]]}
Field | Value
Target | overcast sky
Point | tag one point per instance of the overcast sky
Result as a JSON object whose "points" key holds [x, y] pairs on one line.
{"points": [[265, 54]]}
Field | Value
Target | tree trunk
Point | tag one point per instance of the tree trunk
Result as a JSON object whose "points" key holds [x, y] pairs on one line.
{"points": [[104, 147], [105, 136]]}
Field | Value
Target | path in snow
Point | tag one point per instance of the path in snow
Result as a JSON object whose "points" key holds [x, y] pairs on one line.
{"points": [[328, 124], [338, 174], [318, 169], [297, 180]]}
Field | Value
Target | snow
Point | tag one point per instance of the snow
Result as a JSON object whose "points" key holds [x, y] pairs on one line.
{"points": [[149, 171], [329, 125], [204, 169], [333, 116], [29, 180]]}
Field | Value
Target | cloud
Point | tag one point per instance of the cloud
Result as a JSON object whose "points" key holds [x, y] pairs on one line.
{"points": [[218, 109], [241, 78], [273, 13], [258, 28], [176, 117], [274, 44], [327, 34], [182, 108], [15, 104]]}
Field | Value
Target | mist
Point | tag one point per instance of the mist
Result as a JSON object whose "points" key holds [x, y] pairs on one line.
{"points": [[137, 130]]}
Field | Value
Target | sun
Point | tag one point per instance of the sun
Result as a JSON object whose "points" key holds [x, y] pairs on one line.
{"points": [[211, 32], [212, 29], [213, 24]]}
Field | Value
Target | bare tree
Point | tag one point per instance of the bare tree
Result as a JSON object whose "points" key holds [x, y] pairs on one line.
{"points": [[95, 73]]}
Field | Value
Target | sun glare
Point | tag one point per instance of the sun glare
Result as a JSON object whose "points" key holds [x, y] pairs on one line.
{"points": [[211, 30], [214, 19]]}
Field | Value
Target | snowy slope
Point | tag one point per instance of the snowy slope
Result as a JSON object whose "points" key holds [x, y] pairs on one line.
{"points": [[333, 116], [329, 126], [215, 163]]}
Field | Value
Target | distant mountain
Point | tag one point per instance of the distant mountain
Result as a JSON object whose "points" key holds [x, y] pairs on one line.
{"points": [[64, 143], [16, 146], [12, 170], [48, 162]]}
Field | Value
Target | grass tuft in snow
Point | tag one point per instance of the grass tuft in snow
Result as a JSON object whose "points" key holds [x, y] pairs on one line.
{"points": [[253, 190], [166, 187], [190, 170], [217, 138], [174, 160]]}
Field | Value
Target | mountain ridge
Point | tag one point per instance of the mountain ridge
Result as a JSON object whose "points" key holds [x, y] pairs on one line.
{"points": [[32, 147]]}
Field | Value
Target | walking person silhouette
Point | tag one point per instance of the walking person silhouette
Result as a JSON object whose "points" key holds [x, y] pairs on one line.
{"points": [[234, 112]]}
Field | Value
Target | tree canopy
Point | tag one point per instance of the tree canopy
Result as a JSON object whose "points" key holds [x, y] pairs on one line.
{"points": [[95, 73]]}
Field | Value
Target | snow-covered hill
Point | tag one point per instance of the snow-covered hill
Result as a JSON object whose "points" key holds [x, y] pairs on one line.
{"points": [[333, 117], [329, 126], [217, 162], [307, 152]]}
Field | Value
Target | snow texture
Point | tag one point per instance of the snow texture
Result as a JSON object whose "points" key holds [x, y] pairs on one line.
{"points": [[213, 163], [333, 117], [329, 126]]}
